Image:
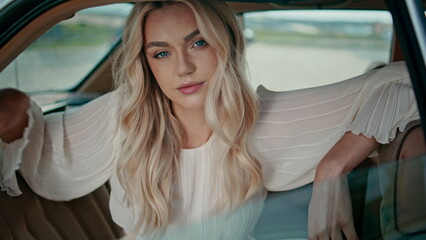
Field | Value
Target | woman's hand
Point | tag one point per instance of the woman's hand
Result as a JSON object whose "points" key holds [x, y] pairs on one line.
{"points": [[13, 117], [330, 209]]}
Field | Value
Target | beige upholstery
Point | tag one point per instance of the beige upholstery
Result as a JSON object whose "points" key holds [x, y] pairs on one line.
{"points": [[31, 217], [406, 189]]}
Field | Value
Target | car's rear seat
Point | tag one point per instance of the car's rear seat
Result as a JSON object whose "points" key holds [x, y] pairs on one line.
{"points": [[29, 216]]}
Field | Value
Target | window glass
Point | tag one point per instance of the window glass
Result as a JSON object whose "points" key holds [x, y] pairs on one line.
{"points": [[294, 49], [3, 3], [63, 56]]}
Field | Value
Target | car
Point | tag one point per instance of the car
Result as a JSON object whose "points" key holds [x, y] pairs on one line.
{"points": [[58, 51]]}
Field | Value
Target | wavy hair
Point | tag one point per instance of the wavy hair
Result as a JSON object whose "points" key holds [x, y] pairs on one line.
{"points": [[150, 154]]}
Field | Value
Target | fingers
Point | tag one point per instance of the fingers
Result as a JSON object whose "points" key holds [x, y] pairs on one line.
{"points": [[349, 231], [336, 234], [330, 212], [333, 235], [332, 230], [320, 236]]}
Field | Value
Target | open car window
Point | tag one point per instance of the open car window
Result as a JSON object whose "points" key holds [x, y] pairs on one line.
{"points": [[295, 49], [63, 56]]}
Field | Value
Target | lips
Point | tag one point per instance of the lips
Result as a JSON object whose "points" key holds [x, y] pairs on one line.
{"points": [[190, 88]]}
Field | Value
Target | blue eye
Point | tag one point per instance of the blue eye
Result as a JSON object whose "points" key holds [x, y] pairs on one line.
{"points": [[161, 54], [200, 43]]}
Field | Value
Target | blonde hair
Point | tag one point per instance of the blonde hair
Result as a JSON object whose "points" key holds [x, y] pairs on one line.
{"points": [[150, 153]]}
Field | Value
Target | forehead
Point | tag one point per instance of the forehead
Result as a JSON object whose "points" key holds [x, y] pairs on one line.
{"points": [[174, 20]]}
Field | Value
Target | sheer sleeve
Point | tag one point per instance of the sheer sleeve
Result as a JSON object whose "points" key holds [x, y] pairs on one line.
{"points": [[64, 155], [385, 105], [297, 128]]}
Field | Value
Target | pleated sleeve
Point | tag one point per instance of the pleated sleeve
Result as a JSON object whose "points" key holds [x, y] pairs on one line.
{"points": [[385, 105], [297, 128], [63, 155]]}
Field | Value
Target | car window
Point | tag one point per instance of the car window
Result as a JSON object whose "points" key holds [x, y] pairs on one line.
{"points": [[63, 56], [3, 3], [294, 49]]}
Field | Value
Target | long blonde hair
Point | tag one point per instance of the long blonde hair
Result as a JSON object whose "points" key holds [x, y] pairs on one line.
{"points": [[150, 153]]}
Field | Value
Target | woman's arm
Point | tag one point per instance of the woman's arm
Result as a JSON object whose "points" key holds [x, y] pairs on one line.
{"points": [[330, 209], [13, 117], [62, 155], [307, 135], [344, 156]]}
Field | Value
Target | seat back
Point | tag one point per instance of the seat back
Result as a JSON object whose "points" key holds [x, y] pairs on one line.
{"points": [[30, 216], [404, 198]]}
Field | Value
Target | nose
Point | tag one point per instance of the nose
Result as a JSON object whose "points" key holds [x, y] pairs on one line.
{"points": [[185, 64]]}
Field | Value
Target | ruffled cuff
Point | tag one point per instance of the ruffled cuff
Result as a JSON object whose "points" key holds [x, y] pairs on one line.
{"points": [[389, 106], [11, 155]]}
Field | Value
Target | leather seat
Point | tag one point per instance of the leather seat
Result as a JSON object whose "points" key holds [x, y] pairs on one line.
{"points": [[403, 182], [29, 216]]}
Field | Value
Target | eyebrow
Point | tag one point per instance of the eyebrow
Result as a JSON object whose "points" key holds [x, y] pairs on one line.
{"points": [[164, 44], [191, 35], [156, 44]]}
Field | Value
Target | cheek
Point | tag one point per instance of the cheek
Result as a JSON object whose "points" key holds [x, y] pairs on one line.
{"points": [[159, 75], [162, 83], [211, 62], [164, 87], [153, 67], [158, 72]]}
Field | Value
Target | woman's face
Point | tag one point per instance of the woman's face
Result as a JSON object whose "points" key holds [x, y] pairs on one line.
{"points": [[182, 62]]}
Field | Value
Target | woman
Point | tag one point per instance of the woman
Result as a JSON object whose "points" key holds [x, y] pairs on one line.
{"points": [[176, 139]]}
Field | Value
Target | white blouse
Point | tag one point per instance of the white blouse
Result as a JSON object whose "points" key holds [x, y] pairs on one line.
{"points": [[67, 155]]}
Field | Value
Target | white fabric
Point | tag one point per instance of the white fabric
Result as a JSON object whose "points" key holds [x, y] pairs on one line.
{"points": [[197, 192], [68, 155], [297, 128]]}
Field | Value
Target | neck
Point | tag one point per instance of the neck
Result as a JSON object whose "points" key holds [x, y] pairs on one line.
{"points": [[194, 124]]}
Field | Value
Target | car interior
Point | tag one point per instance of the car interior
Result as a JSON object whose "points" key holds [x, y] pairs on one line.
{"points": [[29, 216]]}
